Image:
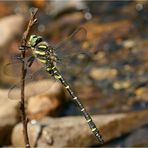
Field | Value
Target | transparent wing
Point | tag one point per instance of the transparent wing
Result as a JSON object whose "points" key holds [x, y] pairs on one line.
{"points": [[35, 75], [75, 70], [14, 67], [72, 62], [36, 84], [73, 59], [72, 44]]}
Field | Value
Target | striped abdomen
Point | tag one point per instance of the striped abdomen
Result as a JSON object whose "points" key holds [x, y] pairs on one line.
{"points": [[88, 118]]}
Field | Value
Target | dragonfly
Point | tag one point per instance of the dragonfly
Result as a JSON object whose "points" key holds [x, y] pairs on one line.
{"points": [[50, 56]]}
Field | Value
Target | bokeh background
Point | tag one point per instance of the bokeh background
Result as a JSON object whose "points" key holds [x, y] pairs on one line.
{"points": [[113, 80]]}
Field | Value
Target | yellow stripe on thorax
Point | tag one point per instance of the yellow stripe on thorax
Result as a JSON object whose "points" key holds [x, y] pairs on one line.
{"points": [[39, 52], [41, 60], [42, 46]]}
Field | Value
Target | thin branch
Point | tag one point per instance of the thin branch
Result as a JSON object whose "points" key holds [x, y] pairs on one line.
{"points": [[23, 49]]}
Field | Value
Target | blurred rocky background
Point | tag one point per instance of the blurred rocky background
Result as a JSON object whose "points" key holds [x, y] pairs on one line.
{"points": [[113, 84]]}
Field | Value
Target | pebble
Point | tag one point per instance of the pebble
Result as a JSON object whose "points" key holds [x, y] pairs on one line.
{"points": [[103, 73]]}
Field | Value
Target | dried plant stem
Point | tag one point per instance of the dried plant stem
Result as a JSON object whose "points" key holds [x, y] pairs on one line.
{"points": [[23, 74]]}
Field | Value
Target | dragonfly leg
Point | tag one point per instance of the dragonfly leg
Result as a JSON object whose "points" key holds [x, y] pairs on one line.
{"points": [[30, 61], [23, 48]]}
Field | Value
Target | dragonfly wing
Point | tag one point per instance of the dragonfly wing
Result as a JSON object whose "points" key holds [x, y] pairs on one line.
{"points": [[75, 65], [73, 59], [11, 69], [72, 44], [14, 67], [35, 84]]}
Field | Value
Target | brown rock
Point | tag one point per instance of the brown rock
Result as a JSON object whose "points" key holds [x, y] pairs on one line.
{"points": [[116, 29], [45, 103], [142, 94], [73, 19], [18, 138], [88, 92], [103, 73], [121, 84], [10, 26], [73, 131], [4, 9], [38, 106], [8, 116]]}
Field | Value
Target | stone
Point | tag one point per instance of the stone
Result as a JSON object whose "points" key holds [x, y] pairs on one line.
{"points": [[41, 103], [10, 26], [104, 32], [74, 131], [88, 92], [121, 84], [142, 94], [103, 73], [19, 138], [138, 138], [8, 116], [58, 7], [37, 106]]}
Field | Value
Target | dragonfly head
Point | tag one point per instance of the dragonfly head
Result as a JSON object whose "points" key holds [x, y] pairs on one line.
{"points": [[34, 40]]}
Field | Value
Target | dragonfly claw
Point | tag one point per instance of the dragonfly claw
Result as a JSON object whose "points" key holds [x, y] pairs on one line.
{"points": [[23, 48]]}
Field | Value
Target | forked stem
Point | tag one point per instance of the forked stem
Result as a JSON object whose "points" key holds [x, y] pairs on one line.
{"points": [[23, 49]]}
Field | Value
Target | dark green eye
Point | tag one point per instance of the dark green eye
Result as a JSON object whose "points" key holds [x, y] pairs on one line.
{"points": [[34, 40]]}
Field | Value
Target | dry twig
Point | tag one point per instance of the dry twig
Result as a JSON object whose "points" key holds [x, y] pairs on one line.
{"points": [[23, 48]]}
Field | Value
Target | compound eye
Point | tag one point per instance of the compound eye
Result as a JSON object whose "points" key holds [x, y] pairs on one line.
{"points": [[33, 36], [39, 39]]}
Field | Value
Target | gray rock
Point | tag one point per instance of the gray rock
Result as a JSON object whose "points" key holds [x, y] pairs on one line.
{"points": [[138, 138], [73, 131], [59, 6]]}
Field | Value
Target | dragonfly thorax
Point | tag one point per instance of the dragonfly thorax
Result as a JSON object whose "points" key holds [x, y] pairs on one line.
{"points": [[42, 50], [44, 53]]}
